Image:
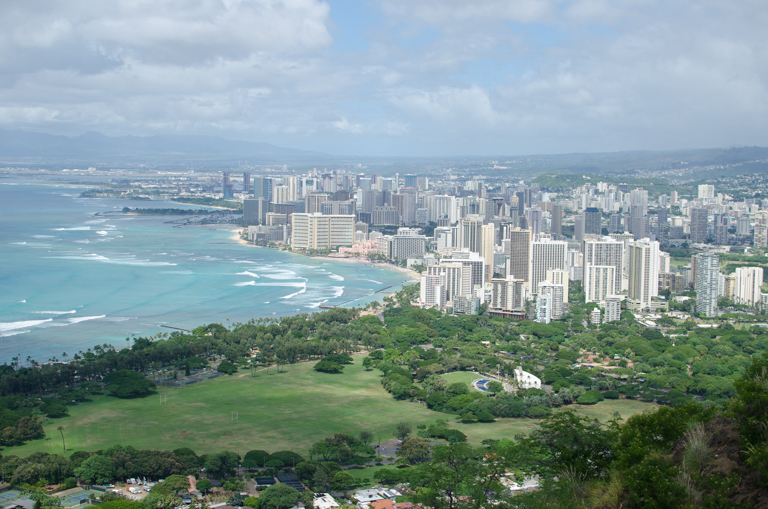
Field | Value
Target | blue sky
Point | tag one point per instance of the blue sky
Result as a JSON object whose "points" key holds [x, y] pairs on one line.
{"points": [[393, 77]]}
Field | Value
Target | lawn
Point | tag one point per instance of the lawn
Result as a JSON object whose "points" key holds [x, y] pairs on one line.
{"points": [[466, 377], [289, 410], [605, 409]]}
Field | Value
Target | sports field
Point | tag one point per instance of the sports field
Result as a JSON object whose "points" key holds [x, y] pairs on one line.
{"points": [[289, 410], [466, 377]]}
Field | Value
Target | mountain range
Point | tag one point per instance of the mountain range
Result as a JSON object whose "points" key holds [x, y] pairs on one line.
{"points": [[95, 149]]}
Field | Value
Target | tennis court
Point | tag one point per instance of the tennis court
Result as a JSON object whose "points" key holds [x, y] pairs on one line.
{"points": [[79, 498], [9, 495]]}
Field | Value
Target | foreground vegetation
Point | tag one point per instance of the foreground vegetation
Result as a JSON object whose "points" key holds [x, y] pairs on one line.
{"points": [[295, 394]]}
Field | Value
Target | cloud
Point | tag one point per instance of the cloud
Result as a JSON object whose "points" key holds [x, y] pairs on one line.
{"points": [[437, 77]]}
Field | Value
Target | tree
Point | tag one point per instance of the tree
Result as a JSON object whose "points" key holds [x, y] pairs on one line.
{"points": [[328, 367], [227, 367], [203, 485], [566, 441], [414, 448], [221, 464], [128, 384], [402, 430], [60, 429], [278, 496], [96, 470], [366, 437], [170, 486], [255, 459], [459, 476], [342, 481], [495, 387]]}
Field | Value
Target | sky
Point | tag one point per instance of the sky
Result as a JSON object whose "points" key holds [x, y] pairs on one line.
{"points": [[393, 77]]}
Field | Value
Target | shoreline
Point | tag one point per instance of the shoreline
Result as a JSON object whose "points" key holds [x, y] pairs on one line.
{"points": [[412, 275]]}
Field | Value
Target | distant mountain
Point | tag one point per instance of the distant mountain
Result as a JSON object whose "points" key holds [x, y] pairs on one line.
{"points": [[94, 149]]}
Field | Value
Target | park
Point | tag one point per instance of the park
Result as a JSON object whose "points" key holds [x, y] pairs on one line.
{"points": [[272, 410]]}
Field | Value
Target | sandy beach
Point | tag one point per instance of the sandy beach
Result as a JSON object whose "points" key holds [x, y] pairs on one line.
{"points": [[413, 276]]}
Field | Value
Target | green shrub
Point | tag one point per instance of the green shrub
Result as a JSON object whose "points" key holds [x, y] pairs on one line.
{"points": [[128, 384], [537, 411], [227, 367], [590, 397], [328, 367], [611, 394]]}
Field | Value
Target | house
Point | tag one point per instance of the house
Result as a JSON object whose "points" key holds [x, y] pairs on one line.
{"points": [[365, 497], [324, 501], [382, 504], [383, 498]]}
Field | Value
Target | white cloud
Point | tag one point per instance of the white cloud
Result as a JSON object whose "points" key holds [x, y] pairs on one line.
{"points": [[439, 76]]}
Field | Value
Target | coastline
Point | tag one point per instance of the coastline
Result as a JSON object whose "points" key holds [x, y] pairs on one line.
{"points": [[413, 276]]}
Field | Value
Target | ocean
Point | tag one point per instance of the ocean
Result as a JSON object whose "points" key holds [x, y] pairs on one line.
{"points": [[77, 272]]}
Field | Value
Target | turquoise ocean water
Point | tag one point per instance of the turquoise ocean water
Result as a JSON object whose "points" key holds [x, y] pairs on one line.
{"points": [[75, 272]]}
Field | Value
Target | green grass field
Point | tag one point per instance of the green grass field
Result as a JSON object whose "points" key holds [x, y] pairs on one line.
{"points": [[466, 377], [276, 411]]}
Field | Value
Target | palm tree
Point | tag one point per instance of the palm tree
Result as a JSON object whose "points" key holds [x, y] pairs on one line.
{"points": [[61, 430]]}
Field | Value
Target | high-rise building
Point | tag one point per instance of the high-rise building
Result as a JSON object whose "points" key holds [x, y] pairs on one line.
{"points": [[262, 188], [557, 220], [643, 271], [592, 221], [638, 221], [508, 293], [760, 234], [335, 208], [470, 233], [454, 280], [431, 291], [707, 283], [662, 223], [602, 253], [407, 206], [535, 220], [639, 198], [599, 281], [578, 228], [546, 254], [612, 309], [617, 223], [706, 191], [699, 225], [314, 202], [411, 181], [294, 192], [316, 231], [226, 186], [255, 211], [475, 264], [441, 207], [488, 237], [742, 226], [665, 262], [386, 216], [544, 308], [518, 263], [749, 281], [556, 294], [407, 246], [721, 229], [246, 183], [559, 277], [280, 194]]}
